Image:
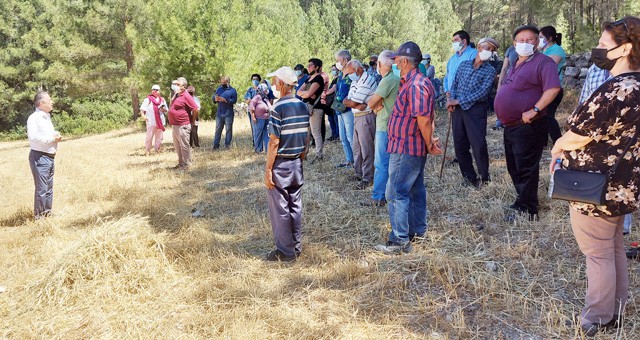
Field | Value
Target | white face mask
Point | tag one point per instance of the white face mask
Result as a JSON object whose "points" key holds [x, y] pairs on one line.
{"points": [[175, 88], [339, 66], [524, 49], [485, 55], [298, 73], [456, 46], [542, 43]]}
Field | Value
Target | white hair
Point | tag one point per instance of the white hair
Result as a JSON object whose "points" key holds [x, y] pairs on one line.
{"points": [[343, 54], [384, 59], [356, 64]]}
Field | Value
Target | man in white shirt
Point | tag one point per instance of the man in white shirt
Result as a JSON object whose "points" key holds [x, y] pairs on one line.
{"points": [[43, 139], [363, 86], [152, 110]]}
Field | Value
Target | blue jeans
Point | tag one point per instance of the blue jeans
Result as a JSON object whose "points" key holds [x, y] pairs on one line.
{"points": [[627, 223], [381, 164], [42, 168], [227, 123], [260, 135], [406, 197], [345, 123], [333, 122]]}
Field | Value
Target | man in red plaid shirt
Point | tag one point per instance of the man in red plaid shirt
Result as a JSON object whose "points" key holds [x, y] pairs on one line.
{"points": [[411, 129]]}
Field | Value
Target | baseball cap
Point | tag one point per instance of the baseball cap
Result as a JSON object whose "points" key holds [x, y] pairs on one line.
{"points": [[490, 41], [408, 49], [155, 87], [426, 56], [286, 74]]}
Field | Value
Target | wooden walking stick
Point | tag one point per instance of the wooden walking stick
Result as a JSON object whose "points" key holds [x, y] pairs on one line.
{"points": [[446, 143]]}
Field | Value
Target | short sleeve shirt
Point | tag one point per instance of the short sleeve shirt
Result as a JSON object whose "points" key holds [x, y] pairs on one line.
{"points": [[362, 90], [388, 90], [289, 121], [317, 79], [147, 107], [182, 104], [557, 50], [260, 106], [416, 97], [610, 118], [523, 86]]}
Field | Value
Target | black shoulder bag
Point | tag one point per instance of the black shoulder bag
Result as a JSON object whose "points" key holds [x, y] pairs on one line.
{"points": [[585, 187]]}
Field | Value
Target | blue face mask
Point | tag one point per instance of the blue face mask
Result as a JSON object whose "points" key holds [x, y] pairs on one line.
{"points": [[255, 82], [353, 76], [395, 70]]}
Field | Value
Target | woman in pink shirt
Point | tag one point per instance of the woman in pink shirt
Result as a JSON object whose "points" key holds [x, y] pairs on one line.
{"points": [[259, 108]]}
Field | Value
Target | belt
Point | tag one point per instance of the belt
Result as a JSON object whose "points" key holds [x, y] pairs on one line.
{"points": [[520, 122], [287, 157], [50, 155], [363, 113]]}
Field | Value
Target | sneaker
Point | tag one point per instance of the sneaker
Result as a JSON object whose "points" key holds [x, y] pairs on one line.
{"points": [[345, 165], [417, 238], [277, 255], [394, 248], [374, 203]]}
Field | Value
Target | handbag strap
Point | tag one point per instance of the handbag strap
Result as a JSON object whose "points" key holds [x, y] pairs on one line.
{"points": [[626, 149]]}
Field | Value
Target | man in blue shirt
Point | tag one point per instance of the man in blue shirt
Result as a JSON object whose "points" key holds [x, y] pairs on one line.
{"points": [[468, 107], [463, 52], [225, 97]]}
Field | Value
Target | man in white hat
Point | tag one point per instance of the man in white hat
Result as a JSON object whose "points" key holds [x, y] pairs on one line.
{"points": [[152, 110], [288, 140]]}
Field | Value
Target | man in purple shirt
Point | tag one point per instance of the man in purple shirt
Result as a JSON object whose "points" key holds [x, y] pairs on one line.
{"points": [[524, 94], [410, 130]]}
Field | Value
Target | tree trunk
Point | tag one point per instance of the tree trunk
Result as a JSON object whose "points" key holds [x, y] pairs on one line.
{"points": [[129, 59]]}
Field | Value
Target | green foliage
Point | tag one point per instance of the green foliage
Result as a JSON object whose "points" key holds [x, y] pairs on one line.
{"points": [[99, 57]]}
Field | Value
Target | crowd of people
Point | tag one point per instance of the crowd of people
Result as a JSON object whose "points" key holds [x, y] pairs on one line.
{"points": [[383, 113]]}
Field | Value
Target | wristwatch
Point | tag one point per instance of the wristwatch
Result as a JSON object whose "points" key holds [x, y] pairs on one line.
{"points": [[536, 109]]}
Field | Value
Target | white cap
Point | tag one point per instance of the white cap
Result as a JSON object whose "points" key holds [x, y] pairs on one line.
{"points": [[286, 74], [426, 56], [155, 87]]}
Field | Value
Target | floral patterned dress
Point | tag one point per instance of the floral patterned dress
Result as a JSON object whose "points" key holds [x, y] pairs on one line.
{"points": [[610, 117]]}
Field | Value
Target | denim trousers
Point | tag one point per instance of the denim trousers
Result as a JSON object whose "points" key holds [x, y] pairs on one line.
{"points": [[381, 164], [227, 124], [406, 197], [333, 123], [42, 169], [260, 135], [345, 124]]}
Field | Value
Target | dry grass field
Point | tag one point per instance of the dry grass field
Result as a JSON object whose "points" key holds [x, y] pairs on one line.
{"points": [[123, 258]]}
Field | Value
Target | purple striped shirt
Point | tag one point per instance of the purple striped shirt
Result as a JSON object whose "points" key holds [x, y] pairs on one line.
{"points": [[416, 97]]}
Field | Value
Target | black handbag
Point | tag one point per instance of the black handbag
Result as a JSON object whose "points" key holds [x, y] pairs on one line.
{"points": [[582, 186]]}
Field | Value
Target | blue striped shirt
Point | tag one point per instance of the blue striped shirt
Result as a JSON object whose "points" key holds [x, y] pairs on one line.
{"points": [[595, 77], [289, 121], [472, 85]]}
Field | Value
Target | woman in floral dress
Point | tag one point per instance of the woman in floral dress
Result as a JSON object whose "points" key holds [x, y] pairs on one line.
{"points": [[598, 132]]}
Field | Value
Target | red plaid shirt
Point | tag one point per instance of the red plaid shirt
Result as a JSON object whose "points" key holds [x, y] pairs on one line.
{"points": [[416, 97]]}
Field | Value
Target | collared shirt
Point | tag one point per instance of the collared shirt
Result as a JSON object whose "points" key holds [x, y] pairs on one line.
{"points": [[524, 85], [147, 107], [42, 135], [595, 77], [181, 106], [454, 62], [388, 90], [416, 97], [230, 94], [289, 121], [251, 92], [472, 85], [362, 90]]}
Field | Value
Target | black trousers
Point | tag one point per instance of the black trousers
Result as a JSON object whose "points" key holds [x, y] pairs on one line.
{"points": [[552, 124], [470, 132], [194, 140], [523, 147]]}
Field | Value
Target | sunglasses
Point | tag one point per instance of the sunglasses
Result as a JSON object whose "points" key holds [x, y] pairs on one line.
{"points": [[155, 90], [621, 22]]}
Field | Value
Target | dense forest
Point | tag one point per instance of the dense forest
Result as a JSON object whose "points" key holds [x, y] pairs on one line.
{"points": [[97, 58]]}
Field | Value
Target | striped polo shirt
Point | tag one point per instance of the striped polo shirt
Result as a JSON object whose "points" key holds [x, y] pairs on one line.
{"points": [[289, 121], [416, 97]]}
